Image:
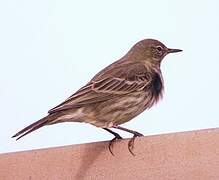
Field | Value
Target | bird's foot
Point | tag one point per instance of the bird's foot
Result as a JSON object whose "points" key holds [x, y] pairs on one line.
{"points": [[112, 142], [132, 141]]}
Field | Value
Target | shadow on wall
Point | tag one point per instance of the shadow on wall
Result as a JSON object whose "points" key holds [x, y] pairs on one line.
{"points": [[89, 155]]}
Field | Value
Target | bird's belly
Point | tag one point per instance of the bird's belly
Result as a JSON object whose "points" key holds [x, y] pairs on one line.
{"points": [[116, 111]]}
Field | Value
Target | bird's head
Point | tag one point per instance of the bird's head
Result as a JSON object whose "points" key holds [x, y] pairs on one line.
{"points": [[151, 50]]}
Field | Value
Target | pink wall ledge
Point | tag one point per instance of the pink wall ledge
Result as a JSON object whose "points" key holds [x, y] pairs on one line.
{"points": [[190, 155]]}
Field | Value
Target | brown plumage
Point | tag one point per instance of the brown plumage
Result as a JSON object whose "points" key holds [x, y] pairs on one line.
{"points": [[116, 94]]}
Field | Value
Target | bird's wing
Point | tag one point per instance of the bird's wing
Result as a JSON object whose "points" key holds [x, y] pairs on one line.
{"points": [[108, 84]]}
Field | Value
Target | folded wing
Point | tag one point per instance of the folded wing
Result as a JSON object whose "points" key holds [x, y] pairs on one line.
{"points": [[112, 83]]}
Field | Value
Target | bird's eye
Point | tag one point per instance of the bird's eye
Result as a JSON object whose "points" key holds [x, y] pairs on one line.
{"points": [[159, 49]]}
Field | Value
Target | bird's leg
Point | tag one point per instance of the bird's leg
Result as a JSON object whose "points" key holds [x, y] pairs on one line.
{"points": [[117, 136], [132, 140]]}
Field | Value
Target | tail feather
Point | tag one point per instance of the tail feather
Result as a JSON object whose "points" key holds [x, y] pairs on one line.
{"points": [[34, 126]]}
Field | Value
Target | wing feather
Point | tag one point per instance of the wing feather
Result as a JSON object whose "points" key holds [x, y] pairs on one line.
{"points": [[113, 83]]}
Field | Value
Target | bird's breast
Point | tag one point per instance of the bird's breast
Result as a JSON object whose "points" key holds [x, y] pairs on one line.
{"points": [[154, 91], [157, 85]]}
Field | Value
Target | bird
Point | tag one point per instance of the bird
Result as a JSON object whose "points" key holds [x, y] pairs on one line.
{"points": [[116, 94]]}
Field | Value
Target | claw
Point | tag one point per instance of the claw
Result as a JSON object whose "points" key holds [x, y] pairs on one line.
{"points": [[132, 141], [131, 145], [110, 146], [117, 137]]}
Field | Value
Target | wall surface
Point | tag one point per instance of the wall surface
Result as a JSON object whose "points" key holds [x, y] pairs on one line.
{"points": [[181, 156]]}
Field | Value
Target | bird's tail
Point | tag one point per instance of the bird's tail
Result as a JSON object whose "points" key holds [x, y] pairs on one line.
{"points": [[34, 126]]}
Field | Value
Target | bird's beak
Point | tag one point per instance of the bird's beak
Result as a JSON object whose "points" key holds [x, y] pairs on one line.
{"points": [[173, 50]]}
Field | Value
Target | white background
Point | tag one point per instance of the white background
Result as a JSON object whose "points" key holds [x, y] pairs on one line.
{"points": [[49, 49]]}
